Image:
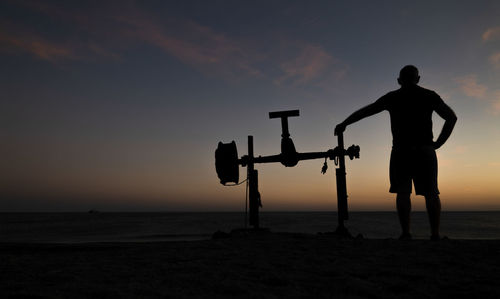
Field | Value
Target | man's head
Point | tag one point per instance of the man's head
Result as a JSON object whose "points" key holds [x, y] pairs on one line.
{"points": [[408, 76]]}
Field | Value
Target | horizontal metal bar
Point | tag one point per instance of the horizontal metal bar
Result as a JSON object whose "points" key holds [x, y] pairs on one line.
{"points": [[288, 113], [312, 155], [267, 159], [278, 158]]}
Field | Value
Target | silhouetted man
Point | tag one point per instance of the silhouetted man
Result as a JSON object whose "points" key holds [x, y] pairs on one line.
{"points": [[413, 156]]}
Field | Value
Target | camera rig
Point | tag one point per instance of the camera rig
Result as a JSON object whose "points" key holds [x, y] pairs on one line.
{"points": [[227, 166]]}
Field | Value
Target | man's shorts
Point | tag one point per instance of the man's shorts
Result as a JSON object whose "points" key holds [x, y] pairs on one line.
{"points": [[417, 164]]}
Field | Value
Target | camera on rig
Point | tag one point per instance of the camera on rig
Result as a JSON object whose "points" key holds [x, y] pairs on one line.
{"points": [[226, 163], [353, 152]]}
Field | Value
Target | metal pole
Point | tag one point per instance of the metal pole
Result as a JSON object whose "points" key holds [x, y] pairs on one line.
{"points": [[341, 187], [253, 192]]}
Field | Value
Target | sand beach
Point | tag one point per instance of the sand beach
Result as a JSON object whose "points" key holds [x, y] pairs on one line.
{"points": [[269, 265]]}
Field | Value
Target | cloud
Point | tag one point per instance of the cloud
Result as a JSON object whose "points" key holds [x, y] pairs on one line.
{"points": [[472, 88], [297, 62], [35, 45], [101, 51], [469, 85], [496, 103], [109, 30], [19, 41], [193, 44], [495, 59], [491, 34], [496, 107], [311, 62]]}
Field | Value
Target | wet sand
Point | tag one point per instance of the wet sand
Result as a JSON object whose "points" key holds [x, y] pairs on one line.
{"points": [[257, 266]]}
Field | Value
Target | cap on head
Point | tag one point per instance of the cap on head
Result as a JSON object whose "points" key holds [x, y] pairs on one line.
{"points": [[408, 76]]}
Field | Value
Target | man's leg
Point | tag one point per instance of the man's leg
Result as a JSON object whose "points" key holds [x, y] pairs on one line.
{"points": [[403, 205], [433, 205]]}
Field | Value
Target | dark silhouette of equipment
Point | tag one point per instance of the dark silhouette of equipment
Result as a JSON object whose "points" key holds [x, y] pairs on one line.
{"points": [[227, 166], [289, 156]]}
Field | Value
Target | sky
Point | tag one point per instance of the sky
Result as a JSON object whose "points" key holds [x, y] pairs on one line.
{"points": [[119, 105]]}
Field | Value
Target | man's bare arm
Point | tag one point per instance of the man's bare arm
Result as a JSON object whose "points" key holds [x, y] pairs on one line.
{"points": [[364, 112], [450, 119]]}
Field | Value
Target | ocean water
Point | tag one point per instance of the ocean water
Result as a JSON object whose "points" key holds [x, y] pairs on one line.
{"points": [[146, 227]]}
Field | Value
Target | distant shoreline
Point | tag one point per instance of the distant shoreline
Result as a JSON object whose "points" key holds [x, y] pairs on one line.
{"points": [[158, 226]]}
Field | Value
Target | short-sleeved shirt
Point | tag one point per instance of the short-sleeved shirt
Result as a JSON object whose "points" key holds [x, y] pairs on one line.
{"points": [[411, 110]]}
